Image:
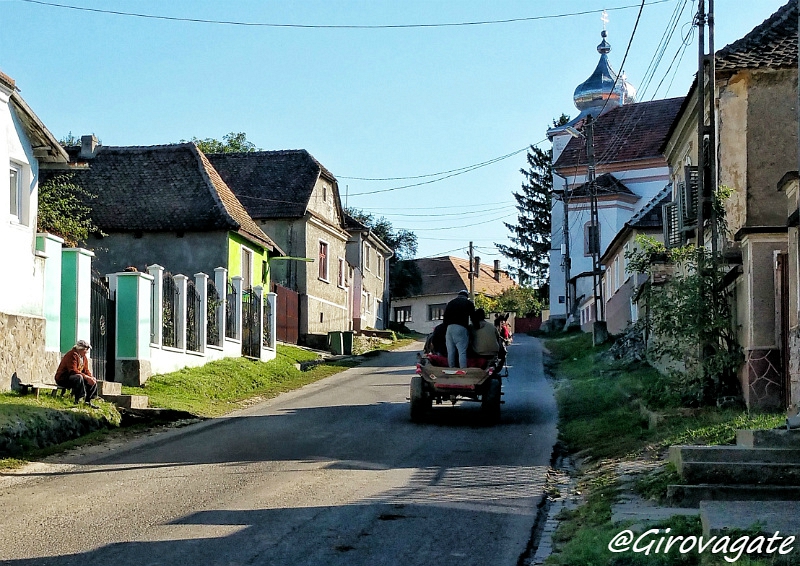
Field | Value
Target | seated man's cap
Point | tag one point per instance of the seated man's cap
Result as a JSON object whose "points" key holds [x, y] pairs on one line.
{"points": [[83, 344], [464, 292]]}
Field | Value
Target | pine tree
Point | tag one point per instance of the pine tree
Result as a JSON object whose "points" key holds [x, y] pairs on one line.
{"points": [[531, 234]]}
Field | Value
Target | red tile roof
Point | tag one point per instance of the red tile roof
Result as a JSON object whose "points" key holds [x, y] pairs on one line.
{"points": [[449, 275], [626, 133]]}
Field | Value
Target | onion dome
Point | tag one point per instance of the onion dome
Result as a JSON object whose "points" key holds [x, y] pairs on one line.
{"points": [[599, 91]]}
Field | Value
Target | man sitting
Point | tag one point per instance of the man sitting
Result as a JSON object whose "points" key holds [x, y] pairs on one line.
{"points": [[73, 373]]}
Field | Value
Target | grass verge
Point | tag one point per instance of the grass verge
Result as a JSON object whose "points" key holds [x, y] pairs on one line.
{"points": [[610, 413]]}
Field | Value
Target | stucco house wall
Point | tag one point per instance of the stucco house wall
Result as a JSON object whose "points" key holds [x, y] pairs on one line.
{"points": [[421, 322]]}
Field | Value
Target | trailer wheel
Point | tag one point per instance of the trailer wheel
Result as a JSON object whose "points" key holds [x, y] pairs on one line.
{"points": [[490, 402], [420, 400]]}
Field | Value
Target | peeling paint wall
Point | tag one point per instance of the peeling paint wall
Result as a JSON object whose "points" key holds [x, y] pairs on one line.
{"points": [[732, 132]]}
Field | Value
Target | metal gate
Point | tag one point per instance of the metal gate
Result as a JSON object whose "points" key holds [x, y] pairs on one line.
{"points": [[251, 324], [287, 314], [102, 322]]}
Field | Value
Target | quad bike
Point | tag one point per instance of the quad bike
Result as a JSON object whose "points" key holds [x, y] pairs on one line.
{"points": [[437, 383]]}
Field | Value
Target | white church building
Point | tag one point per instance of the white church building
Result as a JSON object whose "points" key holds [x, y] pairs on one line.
{"points": [[629, 169]]}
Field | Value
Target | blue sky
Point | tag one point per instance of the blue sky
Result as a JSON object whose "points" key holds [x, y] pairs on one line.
{"points": [[371, 103]]}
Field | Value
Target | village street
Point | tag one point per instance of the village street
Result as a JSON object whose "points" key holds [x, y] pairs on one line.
{"points": [[334, 473]]}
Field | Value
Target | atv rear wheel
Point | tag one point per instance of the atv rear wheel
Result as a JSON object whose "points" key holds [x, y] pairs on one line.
{"points": [[490, 402], [420, 399]]}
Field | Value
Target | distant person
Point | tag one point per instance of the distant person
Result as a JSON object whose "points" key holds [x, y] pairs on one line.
{"points": [[484, 337], [73, 373], [437, 341], [456, 317]]}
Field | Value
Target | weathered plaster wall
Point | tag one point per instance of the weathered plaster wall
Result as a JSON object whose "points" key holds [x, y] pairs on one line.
{"points": [[324, 302], [732, 131], [187, 255], [771, 143], [22, 350]]}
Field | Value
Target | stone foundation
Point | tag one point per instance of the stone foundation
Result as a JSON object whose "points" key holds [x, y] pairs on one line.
{"points": [[22, 351], [134, 373], [762, 378]]}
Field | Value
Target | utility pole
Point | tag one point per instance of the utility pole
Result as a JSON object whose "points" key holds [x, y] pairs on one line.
{"points": [[594, 221], [565, 252], [471, 273]]}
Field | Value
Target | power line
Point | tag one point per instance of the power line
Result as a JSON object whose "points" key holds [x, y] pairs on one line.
{"points": [[462, 226], [327, 26], [470, 212]]}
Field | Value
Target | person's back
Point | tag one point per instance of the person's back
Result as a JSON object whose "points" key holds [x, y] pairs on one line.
{"points": [[456, 318], [458, 311], [485, 340]]}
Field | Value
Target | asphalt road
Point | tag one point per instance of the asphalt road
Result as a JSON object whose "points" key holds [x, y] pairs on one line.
{"points": [[332, 474]]}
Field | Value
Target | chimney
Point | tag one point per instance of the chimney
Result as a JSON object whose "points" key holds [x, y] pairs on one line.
{"points": [[497, 270], [88, 147], [477, 267]]}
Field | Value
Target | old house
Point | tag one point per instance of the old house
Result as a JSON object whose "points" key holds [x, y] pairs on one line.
{"points": [[296, 200], [442, 279], [755, 96], [167, 205], [29, 345], [367, 277]]}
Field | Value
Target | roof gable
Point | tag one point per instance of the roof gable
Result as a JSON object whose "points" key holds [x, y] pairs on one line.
{"points": [[449, 275], [605, 184], [271, 184]]}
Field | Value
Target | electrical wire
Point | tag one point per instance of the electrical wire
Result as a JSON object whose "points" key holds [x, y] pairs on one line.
{"points": [[327, 26]]}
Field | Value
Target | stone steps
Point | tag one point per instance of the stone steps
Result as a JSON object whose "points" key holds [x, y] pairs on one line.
{"points": [[774, 438], [769, 517], [680, 454], [690, 496], [111, 391]]}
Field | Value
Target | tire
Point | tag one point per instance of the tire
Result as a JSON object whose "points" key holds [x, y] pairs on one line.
{"points": [[490, 402], [420, 400]]}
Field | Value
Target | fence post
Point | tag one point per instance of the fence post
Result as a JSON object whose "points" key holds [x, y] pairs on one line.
{"points": [[156, 304], [237, 286], [76, 296], [201, 286], [51, 246], [272, 299], [221, 282], [180, 330], [134, 304]]}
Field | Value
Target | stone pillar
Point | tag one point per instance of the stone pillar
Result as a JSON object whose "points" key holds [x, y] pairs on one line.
{"points": [[180, 327], [51, 246], [134, 309], [237, 286], [201, 284], [76, 296], [221, 283], [156, 304]]}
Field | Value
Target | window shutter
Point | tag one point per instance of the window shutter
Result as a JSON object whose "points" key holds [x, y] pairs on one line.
{"points": [[672, 234], [688, 199]]}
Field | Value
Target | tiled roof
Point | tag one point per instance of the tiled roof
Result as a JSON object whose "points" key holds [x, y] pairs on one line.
{"points": [[449, 275], [271, 184], [626, 133], [160, 188], [772, 44], [606, 184]]}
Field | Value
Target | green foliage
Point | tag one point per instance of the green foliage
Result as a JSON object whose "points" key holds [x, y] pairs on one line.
{"points": [[63, 210], [234, 142], [523, 301], [70, 140]]}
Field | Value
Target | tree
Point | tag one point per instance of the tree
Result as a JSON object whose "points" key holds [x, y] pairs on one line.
{"points": [[405, 278], [523, 301], [63, 211], [234, 142], [531, 234]]}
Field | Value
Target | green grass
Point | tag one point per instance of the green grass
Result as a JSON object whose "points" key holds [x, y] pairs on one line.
{"points": [[222, 386], [599, 416]]}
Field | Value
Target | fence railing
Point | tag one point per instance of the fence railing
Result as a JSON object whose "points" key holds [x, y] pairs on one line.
{"points": [[194, 310], [230, 312], [170, 314], [266, 324], [213, 319]]}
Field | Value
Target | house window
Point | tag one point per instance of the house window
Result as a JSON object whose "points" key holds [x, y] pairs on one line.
{"points": [[591, 239], [617, 274], [369, 302], [436, 312], [16, 194], [325, 193], [247, 268], [379, 265], [323, 260], [402, 314], [378, 310], [366, 257], [341, 278]]}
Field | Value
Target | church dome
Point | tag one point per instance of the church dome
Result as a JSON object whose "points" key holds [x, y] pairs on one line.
{"points": [[599, 91]]}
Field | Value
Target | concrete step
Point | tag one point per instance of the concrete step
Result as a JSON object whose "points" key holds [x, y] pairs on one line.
{"points": [[680, 454], [109, 388], [128, 401], [692, 495], [774, 438], [754, 473], [719, 517]]}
